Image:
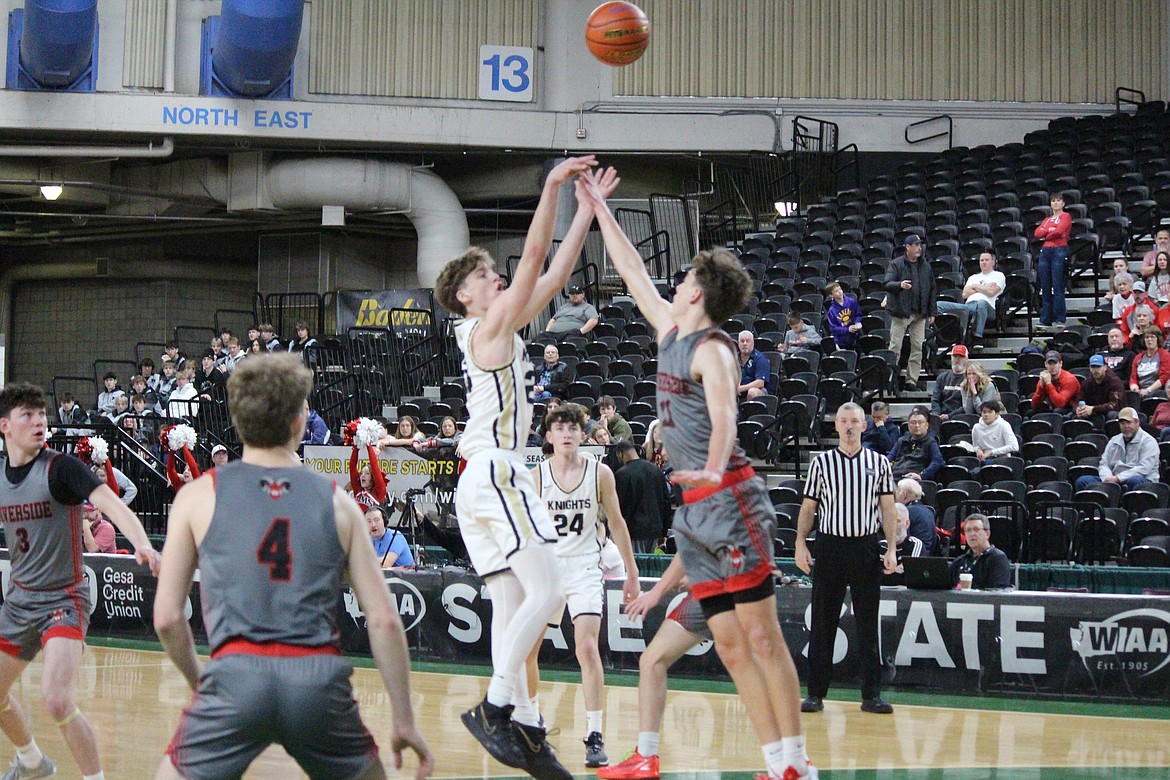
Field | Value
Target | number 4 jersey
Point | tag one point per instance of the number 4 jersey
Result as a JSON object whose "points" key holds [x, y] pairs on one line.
{"points": [[270, 565], [575, 511]]}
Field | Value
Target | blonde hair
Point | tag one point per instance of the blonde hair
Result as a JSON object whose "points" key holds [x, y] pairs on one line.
{"points": [[983, 381]]}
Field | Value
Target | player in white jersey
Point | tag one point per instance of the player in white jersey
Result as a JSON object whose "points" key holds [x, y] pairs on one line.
{"points": [[575, 488], [504, 524]]}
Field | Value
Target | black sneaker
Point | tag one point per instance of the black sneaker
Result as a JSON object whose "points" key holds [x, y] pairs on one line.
{"points": [[812, 704], [878, 706], [492, 726], [539, 759], [595, 751]]}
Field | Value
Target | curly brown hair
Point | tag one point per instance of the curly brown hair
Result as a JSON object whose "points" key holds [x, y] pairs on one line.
{"points": [[571, 414], [725, 285], [454, 273], [18, 395], [266, 393]]}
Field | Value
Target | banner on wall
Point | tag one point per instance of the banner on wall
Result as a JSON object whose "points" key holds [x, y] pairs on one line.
{"points": [[383, 309], [1036, 643]]}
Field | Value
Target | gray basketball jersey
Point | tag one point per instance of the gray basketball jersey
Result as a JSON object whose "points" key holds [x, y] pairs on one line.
{"points": [[44, 537], [682, 402], [270, 565]]}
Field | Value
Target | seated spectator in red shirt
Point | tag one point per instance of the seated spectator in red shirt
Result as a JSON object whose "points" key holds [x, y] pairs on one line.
{"points": [[1151, 368], [1056, 389], [97, 531]]}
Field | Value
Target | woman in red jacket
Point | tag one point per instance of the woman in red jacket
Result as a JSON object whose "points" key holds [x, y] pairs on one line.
{"points": [[1054, 231], [1151, 368], [369, 479]]}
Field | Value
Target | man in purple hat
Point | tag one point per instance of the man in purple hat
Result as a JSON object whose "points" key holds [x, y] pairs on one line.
{"points": [[911, 301]]}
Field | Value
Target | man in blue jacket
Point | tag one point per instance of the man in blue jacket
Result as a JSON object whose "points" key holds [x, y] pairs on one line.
{"points": [[917, 454]]}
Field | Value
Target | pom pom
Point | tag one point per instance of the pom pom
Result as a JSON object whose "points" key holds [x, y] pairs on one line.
{"points": [[84, 450], [368, 432], [180, 436], [101, 450], [349, 431]]}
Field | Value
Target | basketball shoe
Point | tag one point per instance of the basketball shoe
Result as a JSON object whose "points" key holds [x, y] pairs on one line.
{"points": [[539, 759], [790, 773], [636, 767], [595, 751], [492, 726], [18, 771]]}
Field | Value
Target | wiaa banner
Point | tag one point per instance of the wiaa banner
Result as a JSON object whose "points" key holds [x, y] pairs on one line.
{"points": [[1055, 645]]}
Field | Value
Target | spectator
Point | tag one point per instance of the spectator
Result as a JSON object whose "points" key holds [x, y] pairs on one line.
{"points": [[145, 430], [1120, 266], [1119, 357], [947, 398], [269, 338], [1158, 284], [844, 317], [443, 443], [1125, 296], [140, 386], [916, 455], [224, 335], [166, 386], [257, 347], [406, 433], [993, 436], [988, 565], [171, 350], [303, 339], [553, 376], [69, 413], [619, 429], [1101, 393], [1054, 231], [576, 315], [1151, 368], [1056, 389], [233, 357], [1130, 458], [181, 402], [644, 497], [880, 434], [920, 518], [210, 383], [146, 371], [906, 545], [1141, 298], [755, 372], [253, 335], [655, 449], [215, 347], [977, 388], [122, 485], [800, 334], [99, 535], [121, 408], [390, 547], [316, 430], [105, 399], [219, 456], [980, 293], [910, 299], [1161, 244]]}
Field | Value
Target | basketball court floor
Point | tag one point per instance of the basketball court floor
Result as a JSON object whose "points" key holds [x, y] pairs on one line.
{"points": [[134, 696]]}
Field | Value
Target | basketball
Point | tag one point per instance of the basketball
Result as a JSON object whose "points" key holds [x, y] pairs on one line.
{"points": [[617, 33]]}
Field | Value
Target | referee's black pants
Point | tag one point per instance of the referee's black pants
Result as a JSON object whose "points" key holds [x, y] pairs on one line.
{"points": [[853, 562]]}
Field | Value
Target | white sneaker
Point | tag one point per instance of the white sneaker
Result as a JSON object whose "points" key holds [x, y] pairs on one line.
{"points": [[18, 771]]}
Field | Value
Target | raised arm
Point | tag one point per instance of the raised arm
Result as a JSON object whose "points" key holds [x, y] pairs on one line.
{"points": [[619, 531], [629, 264]]}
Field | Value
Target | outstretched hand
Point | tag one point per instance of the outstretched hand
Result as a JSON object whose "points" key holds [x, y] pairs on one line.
{"points": [[404, 738], [599, 185], [149, 557], [570, 168]]}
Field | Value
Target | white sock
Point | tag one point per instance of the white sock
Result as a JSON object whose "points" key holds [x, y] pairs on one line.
{"points": [[500, 689], [98, 776], [592, 722], [785, 752], [647, 743], [30, 755], [535, 702]]}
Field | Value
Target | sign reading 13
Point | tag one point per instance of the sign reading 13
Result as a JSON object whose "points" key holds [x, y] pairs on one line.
{"points": [[505, 73]]}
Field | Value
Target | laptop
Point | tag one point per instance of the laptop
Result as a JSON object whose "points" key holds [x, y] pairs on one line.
{"points": [[927, 573]]}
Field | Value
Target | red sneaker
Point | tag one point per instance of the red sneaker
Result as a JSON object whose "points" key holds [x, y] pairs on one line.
{"points": [[636, 767], [790, 773]]}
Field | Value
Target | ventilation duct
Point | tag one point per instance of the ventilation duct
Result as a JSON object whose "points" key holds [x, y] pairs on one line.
{"points": [[57, 45], [375, 185], [250, 47]]}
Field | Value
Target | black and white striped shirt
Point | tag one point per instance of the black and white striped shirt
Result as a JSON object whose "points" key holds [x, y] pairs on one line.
{"points": [[846, 489]]}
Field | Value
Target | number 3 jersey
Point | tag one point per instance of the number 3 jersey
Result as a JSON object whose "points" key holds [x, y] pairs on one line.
{"points": [[498, 406], [575, 511], [270, 565]]}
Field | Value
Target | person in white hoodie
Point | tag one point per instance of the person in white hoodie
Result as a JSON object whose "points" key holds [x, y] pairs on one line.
{"points": [[992, 435]]}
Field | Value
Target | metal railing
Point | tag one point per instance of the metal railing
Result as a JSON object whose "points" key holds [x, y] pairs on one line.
{"points": [[1125, 96], [948, 133]]}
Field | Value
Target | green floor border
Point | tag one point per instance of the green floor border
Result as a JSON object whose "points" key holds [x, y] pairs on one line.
{"points": [[697, 685]]}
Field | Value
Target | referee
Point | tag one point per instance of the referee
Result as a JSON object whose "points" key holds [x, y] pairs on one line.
{"points": [[854, 489]]}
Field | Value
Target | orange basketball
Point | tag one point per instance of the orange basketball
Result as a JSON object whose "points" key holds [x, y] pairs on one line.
{"points": [[617, 33]]}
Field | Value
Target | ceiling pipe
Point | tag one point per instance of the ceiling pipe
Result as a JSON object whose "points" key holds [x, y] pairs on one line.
{"points": [[377, 185], [164, 149], [172, 33]]}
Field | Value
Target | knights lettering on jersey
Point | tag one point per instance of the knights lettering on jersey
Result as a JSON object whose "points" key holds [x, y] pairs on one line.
{"points": [[575, 510], [499, 399]]}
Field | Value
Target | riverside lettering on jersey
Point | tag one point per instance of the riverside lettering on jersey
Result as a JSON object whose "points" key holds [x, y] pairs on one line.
{"points": [[36, 510]]}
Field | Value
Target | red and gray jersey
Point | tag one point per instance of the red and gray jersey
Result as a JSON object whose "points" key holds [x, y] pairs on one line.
{"points": [[270, 565], [44, 536], [682, 402]]}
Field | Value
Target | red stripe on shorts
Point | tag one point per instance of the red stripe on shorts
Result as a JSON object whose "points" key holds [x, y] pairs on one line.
{"points": [[272, 649], [66, 632], [8, 648]]}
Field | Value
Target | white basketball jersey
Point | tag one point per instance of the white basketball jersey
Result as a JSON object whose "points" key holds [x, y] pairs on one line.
{"points": [[575, 511], [498, 398]]}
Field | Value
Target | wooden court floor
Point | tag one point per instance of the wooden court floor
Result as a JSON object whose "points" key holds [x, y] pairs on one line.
{"points": [[134, 697]]}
